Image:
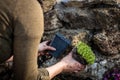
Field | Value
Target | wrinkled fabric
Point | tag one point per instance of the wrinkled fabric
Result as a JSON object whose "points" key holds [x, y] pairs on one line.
{"points": [[21, 28]]}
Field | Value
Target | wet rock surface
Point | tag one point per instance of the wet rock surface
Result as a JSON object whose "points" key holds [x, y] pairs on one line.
{"points": [[96, 22]]}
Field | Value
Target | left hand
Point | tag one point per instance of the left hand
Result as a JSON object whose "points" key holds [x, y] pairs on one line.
{"points": [[43, 47], [41, 50]]}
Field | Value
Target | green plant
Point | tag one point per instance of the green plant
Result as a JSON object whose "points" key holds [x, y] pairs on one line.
{"points": [[85, 51]]}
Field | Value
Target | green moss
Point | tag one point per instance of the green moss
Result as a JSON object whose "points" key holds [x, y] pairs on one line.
{"points": [[85, 51]]}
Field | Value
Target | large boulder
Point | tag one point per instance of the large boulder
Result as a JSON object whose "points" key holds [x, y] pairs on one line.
{"points": [[100, 17]]}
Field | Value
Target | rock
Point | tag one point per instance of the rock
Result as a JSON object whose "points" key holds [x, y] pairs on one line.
{"points": [[86, 3], [109, 45], [96, 18], [97, 70], [52, 23], [77, 4], [75, 18], [76, 35], [109, 35], [104, 62], [47, 5]]}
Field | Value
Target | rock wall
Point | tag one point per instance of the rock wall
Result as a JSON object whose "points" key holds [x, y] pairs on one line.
{"points": [[96, 22]]}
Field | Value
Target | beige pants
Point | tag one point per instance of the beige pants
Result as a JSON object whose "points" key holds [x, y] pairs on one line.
{"points": [[21, 27]]}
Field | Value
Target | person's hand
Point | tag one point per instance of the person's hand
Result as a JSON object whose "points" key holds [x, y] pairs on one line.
{"points": [[10, 59], [71, 65], [67, 64], [44, 47]]}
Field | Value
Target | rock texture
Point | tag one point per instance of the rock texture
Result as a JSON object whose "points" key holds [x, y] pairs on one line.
{"points": [[102, 19], [96, 22], [47, 5]]}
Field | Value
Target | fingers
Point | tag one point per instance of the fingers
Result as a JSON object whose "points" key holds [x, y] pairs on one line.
{"points": [[70, 55], [78, 67], [10, 59], [44, 46], [72, 64], [46, 42], [40, 53], [76, 71], [50, 48]]}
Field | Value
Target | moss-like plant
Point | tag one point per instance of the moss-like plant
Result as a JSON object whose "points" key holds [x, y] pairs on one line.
{"points": [[85, 51]]}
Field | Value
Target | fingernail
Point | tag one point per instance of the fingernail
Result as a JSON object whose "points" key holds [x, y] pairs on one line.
{"points": [[76, 71], [54, 49]]}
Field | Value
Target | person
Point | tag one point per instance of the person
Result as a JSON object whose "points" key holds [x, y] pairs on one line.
{"points": [[21, 28]]}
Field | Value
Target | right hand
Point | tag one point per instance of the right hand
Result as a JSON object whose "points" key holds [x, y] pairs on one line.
{"points": [[71, 65]]}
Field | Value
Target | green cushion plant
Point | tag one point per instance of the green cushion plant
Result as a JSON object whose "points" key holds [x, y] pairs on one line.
{"points": [[85, 52]]}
